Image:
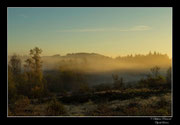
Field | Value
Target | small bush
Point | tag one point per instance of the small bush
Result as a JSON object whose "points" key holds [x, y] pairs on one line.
{"points": [[101, 110], [162, 103], [162, 112], [20, 106], [133, 104], [55, 108]]}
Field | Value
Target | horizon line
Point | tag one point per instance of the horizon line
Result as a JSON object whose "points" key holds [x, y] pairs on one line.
{"points": [[133, 55]]}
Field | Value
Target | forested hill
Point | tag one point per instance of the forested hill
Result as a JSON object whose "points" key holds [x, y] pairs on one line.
{"points": [[97, 62]]}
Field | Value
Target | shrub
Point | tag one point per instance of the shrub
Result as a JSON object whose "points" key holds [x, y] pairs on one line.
{"points": [[55, 108], [133, 104], [12, 93], [161, 103], [102, 87], [21, 105], [101, 110], [162, 111]]}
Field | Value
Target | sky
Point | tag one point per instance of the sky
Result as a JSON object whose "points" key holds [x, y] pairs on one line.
{"points": [[111, 31]]}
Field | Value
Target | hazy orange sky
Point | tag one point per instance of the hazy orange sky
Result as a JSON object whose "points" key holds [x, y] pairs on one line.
{"points": [[108, 31]]}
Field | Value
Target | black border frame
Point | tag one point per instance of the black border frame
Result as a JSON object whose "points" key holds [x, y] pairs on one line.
{"points": [[138, 3]]}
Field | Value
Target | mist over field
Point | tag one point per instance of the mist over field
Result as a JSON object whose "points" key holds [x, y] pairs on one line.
{"points": [[92, 62], [99, 68]]}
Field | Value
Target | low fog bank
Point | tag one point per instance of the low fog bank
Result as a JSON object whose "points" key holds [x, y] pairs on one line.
{"points": [[91, 62], [99, 68], [96, 63]]}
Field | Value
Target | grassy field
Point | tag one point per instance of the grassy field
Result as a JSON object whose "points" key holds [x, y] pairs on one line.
{"points": [[130, 102]]}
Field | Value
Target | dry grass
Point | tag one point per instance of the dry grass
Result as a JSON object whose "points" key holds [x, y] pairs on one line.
{"points": [[154, 105]]}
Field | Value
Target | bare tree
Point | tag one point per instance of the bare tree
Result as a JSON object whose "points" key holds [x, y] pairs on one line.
{"points": [[155, 71], [33, 71], [15, 64], [118, 83], [34, 64]]}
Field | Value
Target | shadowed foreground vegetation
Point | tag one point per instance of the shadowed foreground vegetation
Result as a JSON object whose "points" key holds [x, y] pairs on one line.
{"points": [[66, 92]]}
